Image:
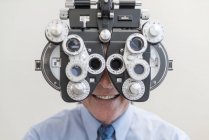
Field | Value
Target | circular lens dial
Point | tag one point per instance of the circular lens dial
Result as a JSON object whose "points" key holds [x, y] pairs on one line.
{"points": [[136, 44], [115, 64], [78, 91], [56, 31], [133, 90], [96, 63], [73, 45]]}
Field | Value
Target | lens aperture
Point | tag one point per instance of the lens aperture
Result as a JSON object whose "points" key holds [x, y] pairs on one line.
{"points": [[73, 45], [95, 64], [116, 64], [76, 71], [136, 44], [139, 69]]}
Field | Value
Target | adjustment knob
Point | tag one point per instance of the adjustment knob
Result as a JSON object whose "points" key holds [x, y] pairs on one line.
{"points": [[56, 31], [153, 31], [105, 36], [78, 91], [135, 88]]}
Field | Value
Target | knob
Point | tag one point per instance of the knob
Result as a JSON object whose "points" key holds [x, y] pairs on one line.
{"points": [[105, 36], [153, 31], [78, 91], [56, 31], [135, 88]]}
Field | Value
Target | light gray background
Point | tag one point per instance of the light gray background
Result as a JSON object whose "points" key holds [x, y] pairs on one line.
{"points": [[26, 98]]}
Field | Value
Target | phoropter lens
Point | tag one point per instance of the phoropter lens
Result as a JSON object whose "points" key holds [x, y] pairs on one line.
{"points": [[73, 45], [76, 70], [116, 64], [95, 64], [139, 69], [136, 44]]}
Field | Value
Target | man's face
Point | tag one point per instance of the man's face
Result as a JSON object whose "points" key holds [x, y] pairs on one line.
{"points": [[105, 103]]}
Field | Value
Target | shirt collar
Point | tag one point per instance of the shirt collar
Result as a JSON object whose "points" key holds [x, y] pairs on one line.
{"points": [[91, 124], [123, 123]]}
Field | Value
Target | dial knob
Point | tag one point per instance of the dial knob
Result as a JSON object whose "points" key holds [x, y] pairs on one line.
{"points": [[133, 90], [78, 91], [105, 36], [56, 31], [153, 31]]}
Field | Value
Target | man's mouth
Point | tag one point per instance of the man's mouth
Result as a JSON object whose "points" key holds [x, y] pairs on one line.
{"points": [[105, 97]]}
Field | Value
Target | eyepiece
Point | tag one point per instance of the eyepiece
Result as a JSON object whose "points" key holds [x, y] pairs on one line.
{"points": [[95, 63], [116, 64]]}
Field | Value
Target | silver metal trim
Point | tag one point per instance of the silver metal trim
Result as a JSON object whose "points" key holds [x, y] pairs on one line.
{"points": [[93, 4], [138, 4], [64, 14], [84, 19], [116, 4], [69, 4], [145, 15]]}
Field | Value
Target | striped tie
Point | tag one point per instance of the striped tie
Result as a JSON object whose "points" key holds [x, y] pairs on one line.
{"points": [[106, 132]]}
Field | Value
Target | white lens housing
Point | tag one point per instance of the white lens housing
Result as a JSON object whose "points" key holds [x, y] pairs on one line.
{"points": [[72, 74], [136, 76]]}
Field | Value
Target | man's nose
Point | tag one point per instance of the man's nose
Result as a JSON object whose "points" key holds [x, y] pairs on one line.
{"points": [[105, 81]]}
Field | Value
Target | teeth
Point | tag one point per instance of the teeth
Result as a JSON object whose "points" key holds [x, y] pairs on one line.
{"points": [[105, 97]]}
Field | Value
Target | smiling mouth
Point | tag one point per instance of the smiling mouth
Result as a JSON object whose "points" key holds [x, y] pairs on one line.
{"points": [[106, 97]]}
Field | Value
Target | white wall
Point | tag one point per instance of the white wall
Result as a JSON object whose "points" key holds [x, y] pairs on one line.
{"points": [[26, 98]]}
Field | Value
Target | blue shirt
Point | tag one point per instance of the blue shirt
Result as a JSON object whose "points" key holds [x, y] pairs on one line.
{"points": [[79, 124]]}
